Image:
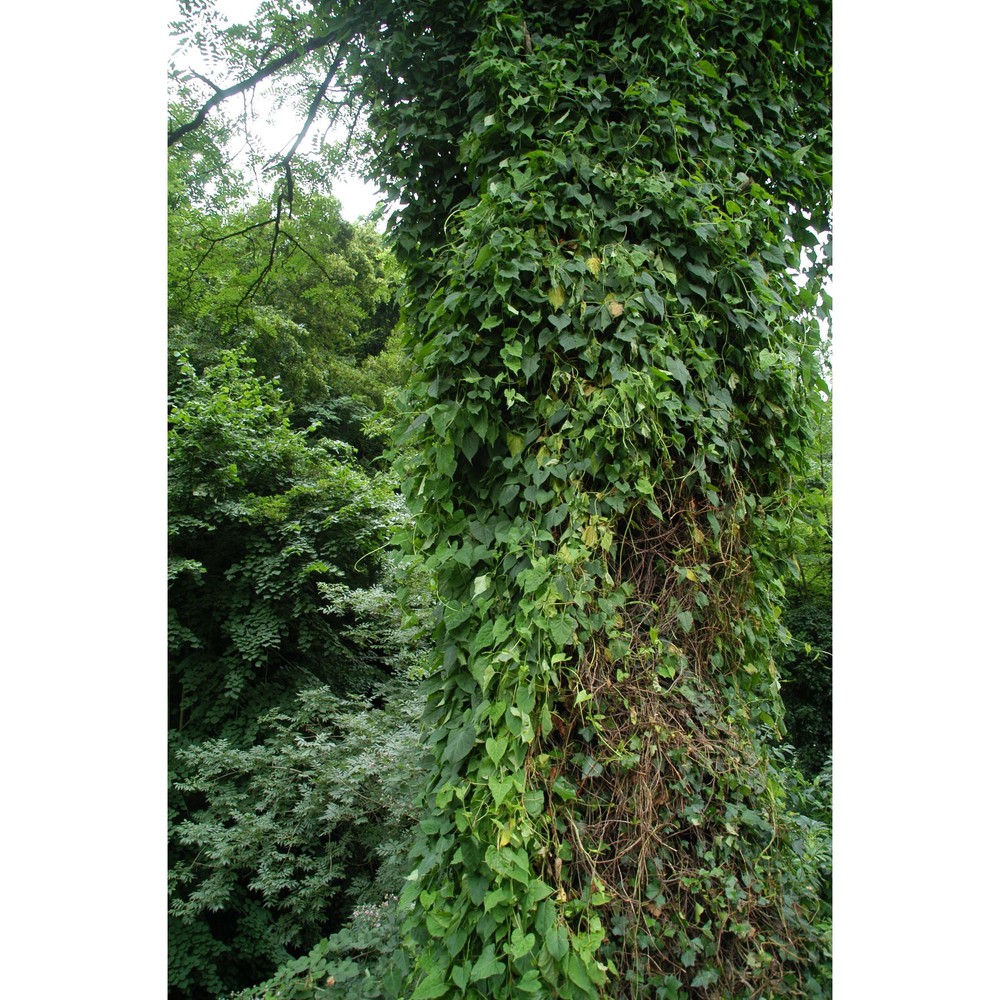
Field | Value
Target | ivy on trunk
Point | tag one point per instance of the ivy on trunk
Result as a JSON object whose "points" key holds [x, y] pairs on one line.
{"points": [[615, 377]]}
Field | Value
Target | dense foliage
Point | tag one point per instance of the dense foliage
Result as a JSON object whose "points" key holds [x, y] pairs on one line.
{"points": [[615, 389], [282, 633], [312, 302], [806, 662]]}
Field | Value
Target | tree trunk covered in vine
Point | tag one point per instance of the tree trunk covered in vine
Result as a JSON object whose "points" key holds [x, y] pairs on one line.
{"points": [[615, 376]]}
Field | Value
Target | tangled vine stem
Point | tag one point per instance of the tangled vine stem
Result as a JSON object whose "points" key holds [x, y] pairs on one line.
{"points": [[645, 746]]}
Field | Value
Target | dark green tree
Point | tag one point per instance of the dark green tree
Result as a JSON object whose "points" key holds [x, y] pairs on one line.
{"points": [[806, 664], [275, 543], [260, 516]]}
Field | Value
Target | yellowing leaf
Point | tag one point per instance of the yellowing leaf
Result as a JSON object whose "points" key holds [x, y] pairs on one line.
{"points": [[594, 265], [615, 308], [691, 575], [515, 443], [557, 296], [590, 536]]}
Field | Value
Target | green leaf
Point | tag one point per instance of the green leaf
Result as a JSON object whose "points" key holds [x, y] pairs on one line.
{"points": [[537, 891], [431, 987], [460, 743], [654, 301], [678, 369], [768, 359], [495, 897], [487, 965], [500, 788], [570, 341], [515, 444], [460, 976], [521, 944], [496, 748], [557, 942], [534, 801], [705, 978], [577, 972], [484, 256]]}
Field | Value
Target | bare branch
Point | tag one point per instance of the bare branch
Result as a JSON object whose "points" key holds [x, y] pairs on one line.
{"points": [[258, 281], [350, 131], [291, 239], [287, 196], [213, 240], [238, 232]]}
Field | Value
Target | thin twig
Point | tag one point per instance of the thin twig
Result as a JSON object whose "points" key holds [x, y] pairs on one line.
{"points": [[204, 79]]}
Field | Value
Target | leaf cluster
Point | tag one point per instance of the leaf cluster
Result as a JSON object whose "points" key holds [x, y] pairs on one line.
{"points": [[806, 663], [311, 820], [291, 744]]}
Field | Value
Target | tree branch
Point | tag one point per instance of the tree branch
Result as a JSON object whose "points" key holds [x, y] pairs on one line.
{"points": [[204, 79], [285, 164], [291, 239], [213, 240], [286, 160], [311, 45]]}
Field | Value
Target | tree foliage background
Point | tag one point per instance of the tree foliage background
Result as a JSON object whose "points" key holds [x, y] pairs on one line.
{"points": [[611, 441], [290, 666]]}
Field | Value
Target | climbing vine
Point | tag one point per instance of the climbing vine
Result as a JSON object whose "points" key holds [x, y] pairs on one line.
{"points": [[614, 379]]}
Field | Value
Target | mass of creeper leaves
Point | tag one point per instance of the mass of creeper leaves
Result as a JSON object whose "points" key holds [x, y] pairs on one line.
{"points": [[616, 378]]}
